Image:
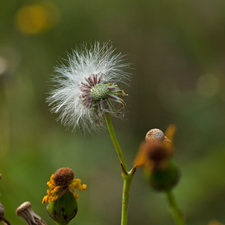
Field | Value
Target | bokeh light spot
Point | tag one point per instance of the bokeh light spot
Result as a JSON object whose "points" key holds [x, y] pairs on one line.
{"points": [[33, 19]]}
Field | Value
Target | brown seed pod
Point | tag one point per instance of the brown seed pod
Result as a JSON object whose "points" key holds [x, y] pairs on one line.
{"points": [[63, 177]]}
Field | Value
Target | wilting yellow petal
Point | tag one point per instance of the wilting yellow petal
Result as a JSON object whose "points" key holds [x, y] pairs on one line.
{"points": [[56, 192], [171, 131], [45, 199], [140, 159], [168, 141], [76, 184]]}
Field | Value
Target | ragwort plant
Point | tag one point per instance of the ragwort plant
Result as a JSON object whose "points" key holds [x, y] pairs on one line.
{"points": [[86, 94]]}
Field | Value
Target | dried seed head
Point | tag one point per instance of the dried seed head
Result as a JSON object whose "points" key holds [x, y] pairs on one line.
{"points": [[2, 215], [155, 135], [25, 206], [2, 211], [63, 177], [26, 212]]}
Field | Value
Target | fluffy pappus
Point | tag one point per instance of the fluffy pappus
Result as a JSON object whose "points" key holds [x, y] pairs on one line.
{"points": [[85, 87]]}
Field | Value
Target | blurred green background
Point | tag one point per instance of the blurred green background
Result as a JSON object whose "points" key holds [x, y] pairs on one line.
{"points": [[177, 51]]}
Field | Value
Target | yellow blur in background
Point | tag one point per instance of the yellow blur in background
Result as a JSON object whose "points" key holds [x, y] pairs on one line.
{"points": [[177, 54], [36, 18]]}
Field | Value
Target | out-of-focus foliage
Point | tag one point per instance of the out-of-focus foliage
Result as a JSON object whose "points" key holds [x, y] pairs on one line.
{"points": [[177, 49]]}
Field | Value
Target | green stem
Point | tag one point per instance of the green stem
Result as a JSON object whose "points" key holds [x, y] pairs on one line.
{"points": [[177, 215], [126, 191], [127, 176], [115, 142]]}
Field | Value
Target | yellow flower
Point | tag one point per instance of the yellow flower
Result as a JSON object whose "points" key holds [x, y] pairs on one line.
{"points": [[62, 181]]}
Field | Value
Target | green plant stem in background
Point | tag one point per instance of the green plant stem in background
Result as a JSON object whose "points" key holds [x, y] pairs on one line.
{"points": [[177, 215], [127, 176]]}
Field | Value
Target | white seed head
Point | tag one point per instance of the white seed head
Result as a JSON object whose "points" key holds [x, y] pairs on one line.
{"points": [[85, 87]]}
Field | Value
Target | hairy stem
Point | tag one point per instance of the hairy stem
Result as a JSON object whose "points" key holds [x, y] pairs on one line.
{"points": [[115, 142], [127, 178], [177, 215]]}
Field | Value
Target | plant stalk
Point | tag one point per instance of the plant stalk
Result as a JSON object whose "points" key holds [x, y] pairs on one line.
{"points": [[177, 215], [115, 142], [127, 176]]}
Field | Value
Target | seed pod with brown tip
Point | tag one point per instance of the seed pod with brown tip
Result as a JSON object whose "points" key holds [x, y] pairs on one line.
{"points": [[61, 198], [155, 155]]}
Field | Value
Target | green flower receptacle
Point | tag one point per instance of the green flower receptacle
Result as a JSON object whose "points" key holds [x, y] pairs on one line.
{"points": [[64, 209], [164, 179]]}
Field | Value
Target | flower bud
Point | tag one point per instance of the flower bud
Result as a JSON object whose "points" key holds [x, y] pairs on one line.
{"points": [[164, 177], [63, 209], [61, 198]]}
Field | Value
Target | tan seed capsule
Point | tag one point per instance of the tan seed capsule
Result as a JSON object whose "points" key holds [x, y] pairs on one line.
{"points": [[155, 135]]}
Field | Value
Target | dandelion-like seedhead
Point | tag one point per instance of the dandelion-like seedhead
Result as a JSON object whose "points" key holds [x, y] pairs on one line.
{"points": [[85, 88]]}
